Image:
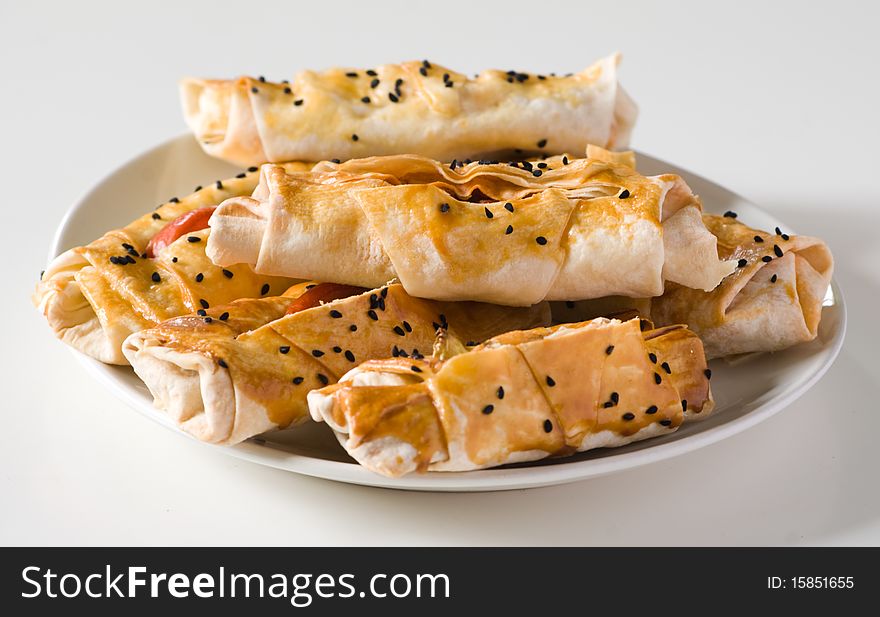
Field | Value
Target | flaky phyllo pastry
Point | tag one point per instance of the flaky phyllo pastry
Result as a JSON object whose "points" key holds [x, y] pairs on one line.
{"points": [[132, 278], [521, 396], [231, 372], [414, 107], [514, 234]]}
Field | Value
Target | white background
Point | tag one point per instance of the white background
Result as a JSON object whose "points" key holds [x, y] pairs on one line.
{"points": [[777, 101]]}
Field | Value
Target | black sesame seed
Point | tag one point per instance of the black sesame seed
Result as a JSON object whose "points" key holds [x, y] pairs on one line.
{"points": [[156, 217], [426, 64], [509, 230], [156, 278], [730, 214], [337, 349], [657, 378], [609, 349], [284, 349], [227, 273], [201, 312], [542, 165], [224, 316], [742, 263], [488, 213], [200, 277], [349, 356], [317, 353], [262, 79], [453, 164], [287, 90], [371, 72], [500, 392], [629, 416], [197, 189], [651, 410], [353, 328], [241, 175], [449, 84], [537, 173], [354, 137], [607, 404], [684, 404], [488, 409], [393, 97], [766, 259], [550, 381], [541, 240], [252, 169], [508, 206], [548, 426], [708, 373], [372, 315], [406, 326], [423, 71], [218, 184], [527, 166], [665, 367], [352, 74], [374, 83], [444, 207], [130, 260], [208, 320], [777, 251], [254, 90], [615, 398], [264, 289], [665, 422], [322, 378], [193, 239], [445, 76], [759, 239], [222, 363], [564, 158], [297, 380], [298, 102], [542, 143], [398, 330], [784, 236], [365, 99], [773, 278], [415, 369], [337, 161], [624, 194], [335, 314]]}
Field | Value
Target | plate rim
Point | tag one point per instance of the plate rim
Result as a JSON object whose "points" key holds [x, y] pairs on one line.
{"points": [[495, 479]]}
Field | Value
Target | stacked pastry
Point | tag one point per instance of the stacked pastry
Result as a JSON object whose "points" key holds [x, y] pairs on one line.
{"points": [[452, 273]]}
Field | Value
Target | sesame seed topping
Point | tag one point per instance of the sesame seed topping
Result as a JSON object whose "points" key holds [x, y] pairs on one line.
{"points": [[335, 314], [548, 426], [777, 251], [393, 97], [353, 328], [657, 378], [193, 239], [773, 278], [365, 99], [509, 230], [204, 303], [542, 143], [609, 349], [708, 373], [488, 409], [227, 273], [337, 349], [200, 277], [354, 137], [665, 422], [262, 79], [415, 369], [624, 194], [500, 392], [742, 263], [284, 349], [449, 84], [759, 239], [197, 189], [201, 312], [564, 158], [337, 161], [264, 289], [444, 207], [374, 83], [297, 380], [615, 398], [349, 356], [156, 217], [730, 214], [253, 169], [423, 71], [537, 173], [317, 353], [208, 320], [665, 367], [426, 64], [351, 74], [541, 240], [241, 175], [406, 326], [488, 213], [550, 381], [399, 331], [372, 315], [766, 259], [651, 410], [508, 206], [628, 416], [371, 72], [222, 363], [287, 90], [218, 184], [254, 89], [322, 378], [224, 316], [684, 404]]}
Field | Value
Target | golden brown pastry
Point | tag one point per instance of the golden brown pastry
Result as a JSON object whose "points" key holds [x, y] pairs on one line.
{"points": [[238, 370], [94, 296], [521, 396], [772, 301], [514, 234], [414, 107]]}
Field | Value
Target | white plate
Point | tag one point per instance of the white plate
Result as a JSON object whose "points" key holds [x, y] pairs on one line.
{"points": [[746, 393]]}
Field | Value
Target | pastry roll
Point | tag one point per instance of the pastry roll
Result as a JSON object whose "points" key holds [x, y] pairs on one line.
{"points": [[94, 296], [772, 301], [231, 372], [414, 107], [513, 234], [522, 396]]}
